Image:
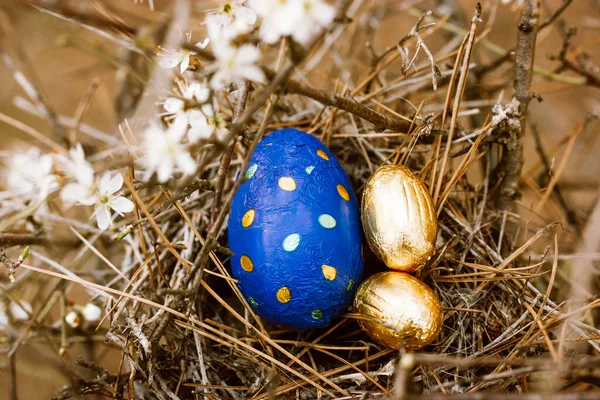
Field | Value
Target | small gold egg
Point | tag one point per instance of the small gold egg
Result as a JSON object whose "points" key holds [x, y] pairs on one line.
{"points": [[397, 309], [398, 218]]}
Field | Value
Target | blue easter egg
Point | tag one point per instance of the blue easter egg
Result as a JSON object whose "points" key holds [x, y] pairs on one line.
{"points": [[295, 230]]}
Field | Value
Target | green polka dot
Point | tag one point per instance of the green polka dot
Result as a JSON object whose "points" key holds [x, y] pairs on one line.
{"points": [[309, 169], [317, 314], [350, 285], [250, 172], [327, 221], [253, 302], [291, 242]]}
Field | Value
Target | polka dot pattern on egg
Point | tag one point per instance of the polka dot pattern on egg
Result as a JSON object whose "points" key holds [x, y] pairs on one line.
{"points": [[248, 218], [287, 184], [327, 221], [295, 230], [246, 263]]}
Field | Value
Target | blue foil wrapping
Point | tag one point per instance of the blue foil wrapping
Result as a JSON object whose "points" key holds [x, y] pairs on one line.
{"points": [[295, 230]]}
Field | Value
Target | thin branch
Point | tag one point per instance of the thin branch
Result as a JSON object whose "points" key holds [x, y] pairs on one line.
{"points": [[350, 105], [226, 157], [511, 163]]}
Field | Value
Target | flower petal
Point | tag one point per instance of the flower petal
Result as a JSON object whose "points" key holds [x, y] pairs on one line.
{"points": [[203, 44], [185, 162], [104, 182], [115, 183], [164, 170], [103, 217], [169, 60], [72, 193], [3, 319], [200, 132], [197, 118], [91, 312], [253, 73], [177, 129], [21, 311], [247, 54], [185, 63], [245, 14], [173, 105], [121, 205]]}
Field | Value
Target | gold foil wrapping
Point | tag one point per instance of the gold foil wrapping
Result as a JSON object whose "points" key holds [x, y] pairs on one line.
{"points": [[398, 218], [398, 309]]}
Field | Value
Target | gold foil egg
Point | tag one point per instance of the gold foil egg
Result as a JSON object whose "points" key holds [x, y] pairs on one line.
{"points": [[397, 309], [398, 217]]}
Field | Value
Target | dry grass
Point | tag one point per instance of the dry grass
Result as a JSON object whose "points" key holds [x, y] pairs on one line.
{"points": [[519, 291]]}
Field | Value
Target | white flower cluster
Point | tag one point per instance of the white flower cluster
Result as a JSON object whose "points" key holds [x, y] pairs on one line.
{"points": [[299, 19], [84, 189], [193, 113], [33, 177]]}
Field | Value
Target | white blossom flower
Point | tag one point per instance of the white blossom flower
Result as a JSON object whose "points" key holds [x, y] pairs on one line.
{"points": [[164, 151], [299, 19], [171, 58], [19, 312], [105, 199], [316, 14], [31, 175], [91, 312], [234, 65], [203, 124], [176, 108], [73, 319], [279, 17], [81, 174], [230, 20]]}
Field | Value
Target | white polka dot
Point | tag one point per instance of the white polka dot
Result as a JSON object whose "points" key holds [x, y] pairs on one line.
{"points": [[327, 221], [250, 172], [291, 242], [309, 169], [286, 183]]}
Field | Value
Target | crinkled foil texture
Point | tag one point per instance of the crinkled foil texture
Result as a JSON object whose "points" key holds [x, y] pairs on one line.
{"points": [[311, 299], [398, 217], [399, 310]]}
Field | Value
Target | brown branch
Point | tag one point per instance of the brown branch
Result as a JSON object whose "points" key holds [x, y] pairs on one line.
{"points": [[22, 239], [226, 157], [81, 15], [350, 105], [556, 14], [511, 164], [509, 53]]}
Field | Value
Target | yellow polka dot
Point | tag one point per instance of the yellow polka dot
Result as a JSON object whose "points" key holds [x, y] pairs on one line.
{"points": [[343, 192], [322, 154], [286, 183], [246, 263], [329, 272], [248, 218], [284, 295]]}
